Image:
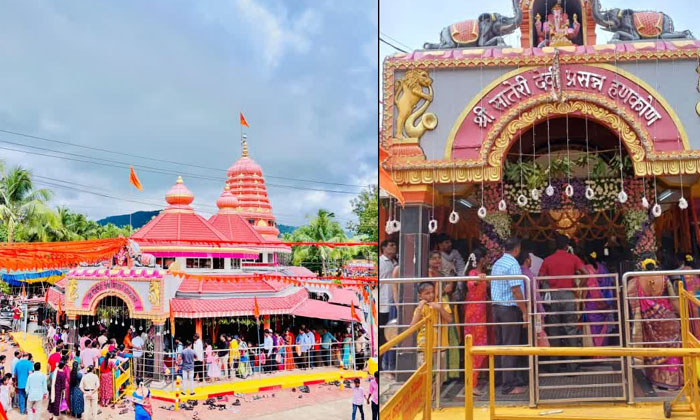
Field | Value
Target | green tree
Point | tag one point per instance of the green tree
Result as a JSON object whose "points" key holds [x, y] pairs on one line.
{"points": [[321, 228], [23, 205], [366, 208]]}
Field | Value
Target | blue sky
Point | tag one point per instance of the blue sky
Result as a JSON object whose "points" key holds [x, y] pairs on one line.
{"points": [[166, 79], [414, 22]]}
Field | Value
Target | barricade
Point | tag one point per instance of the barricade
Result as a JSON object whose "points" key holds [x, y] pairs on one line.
{"points": [[462, 325], [587, 314], [634, 326]]}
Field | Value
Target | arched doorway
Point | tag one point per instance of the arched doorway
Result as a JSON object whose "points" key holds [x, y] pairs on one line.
{"points": [[111, 314]]}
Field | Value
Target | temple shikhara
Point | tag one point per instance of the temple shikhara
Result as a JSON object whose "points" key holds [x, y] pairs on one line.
{"points": [[527, 129]]}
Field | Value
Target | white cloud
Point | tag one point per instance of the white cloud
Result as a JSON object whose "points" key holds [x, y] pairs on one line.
{"points": [[280, 33]]}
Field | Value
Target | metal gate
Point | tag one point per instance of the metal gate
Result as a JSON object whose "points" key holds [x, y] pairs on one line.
{"points": [[585, 314]]}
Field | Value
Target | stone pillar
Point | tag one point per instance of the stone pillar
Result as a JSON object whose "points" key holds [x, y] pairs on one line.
{"points": [[158, 349], [73, 329], [414, 244]]}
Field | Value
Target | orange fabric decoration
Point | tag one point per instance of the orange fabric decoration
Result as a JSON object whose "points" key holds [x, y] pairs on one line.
{"points": [[59, 313], [134, 180], [172, 322], [256, 310], [385, 181], [44, 255], [243, 121], [24, 293], [46, 298], [353, 313]]}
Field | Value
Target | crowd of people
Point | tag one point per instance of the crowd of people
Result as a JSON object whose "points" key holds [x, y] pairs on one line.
{"points": [[576, 306]]}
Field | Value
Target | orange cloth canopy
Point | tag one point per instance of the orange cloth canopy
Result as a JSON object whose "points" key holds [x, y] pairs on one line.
{"points": [[45, 255]]}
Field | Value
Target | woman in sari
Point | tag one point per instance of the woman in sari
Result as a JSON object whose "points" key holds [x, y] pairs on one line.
{"points": [[58, 387], [289, 350], [76, 395], [475, 312], [347, 355], [599, 297], [106, 380], [655, 304], [142, 401]]}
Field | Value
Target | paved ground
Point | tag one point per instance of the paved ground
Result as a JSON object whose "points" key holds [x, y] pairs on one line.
{"points": [[324, 402]]}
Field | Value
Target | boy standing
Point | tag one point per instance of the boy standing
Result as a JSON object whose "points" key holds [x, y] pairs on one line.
{"points": [[358, 398]]}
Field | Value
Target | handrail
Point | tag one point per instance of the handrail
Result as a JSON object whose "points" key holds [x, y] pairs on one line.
{"points": [[585, 351], [399, 338]]}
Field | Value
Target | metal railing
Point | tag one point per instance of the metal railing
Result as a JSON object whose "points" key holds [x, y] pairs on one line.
{"points": [[418, 390], [464, 324], [568, 319], [633, 323], [470, 351]]}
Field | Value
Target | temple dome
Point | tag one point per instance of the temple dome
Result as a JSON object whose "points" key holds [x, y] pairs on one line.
{"points": [[245, 165], [227, 200], [179, 195]]}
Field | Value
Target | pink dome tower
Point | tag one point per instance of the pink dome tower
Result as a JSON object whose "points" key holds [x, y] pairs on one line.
{"points": [[246, 183]]}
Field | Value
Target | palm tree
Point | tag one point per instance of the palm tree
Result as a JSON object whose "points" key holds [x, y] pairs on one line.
{"points": [[23, 205], [322, 228]]}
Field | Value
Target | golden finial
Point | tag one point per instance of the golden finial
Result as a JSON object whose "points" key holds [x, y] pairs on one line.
{"points": [[179, 180], [226, 187], [244, 153]]}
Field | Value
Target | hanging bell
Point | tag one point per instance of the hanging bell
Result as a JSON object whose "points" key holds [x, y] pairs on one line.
{"points": [[81, 325], [683, 203], [395, 226], [432, 226], [522, 200], [535, 194], [622, 197], [645, 202], [549, 190], [481, 212], [388, 227], [122, 323], [140, 327], [454, 217], [569, 190], [656, 210], [502, 206], [590, 193]]}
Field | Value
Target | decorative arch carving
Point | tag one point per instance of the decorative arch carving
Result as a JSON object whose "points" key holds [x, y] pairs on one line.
{"points": [[93, 305]]}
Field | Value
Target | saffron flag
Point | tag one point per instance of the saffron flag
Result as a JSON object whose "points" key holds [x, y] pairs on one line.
{"points": [[385, 181], [59, 313], [134, 180], [243, 121], [353, 313], [256, 309], [46, 298], [172, 322], [24, 293]]}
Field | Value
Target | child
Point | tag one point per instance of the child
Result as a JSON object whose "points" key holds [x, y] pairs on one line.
{"points": [[213, 365], [5, 399], [358, 397], [2, 365], [426, 296]]}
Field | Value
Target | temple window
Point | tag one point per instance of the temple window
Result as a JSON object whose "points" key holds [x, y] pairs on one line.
{"points": [[198, 263], [218, 263], [235, 263]]}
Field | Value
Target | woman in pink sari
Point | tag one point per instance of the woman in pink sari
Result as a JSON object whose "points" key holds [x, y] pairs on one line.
{"points": [[599, 297], [475, 313], [656, 306]]}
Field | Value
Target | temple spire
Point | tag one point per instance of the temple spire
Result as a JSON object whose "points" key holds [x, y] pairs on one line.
{"points": [[244, 146]]}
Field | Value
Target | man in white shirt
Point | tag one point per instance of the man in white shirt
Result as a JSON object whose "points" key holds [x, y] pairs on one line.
{"points": [[90, 384], [311, 341], [199, 363], [268, 346], [102, 339], [137, 351], [388, 294]]}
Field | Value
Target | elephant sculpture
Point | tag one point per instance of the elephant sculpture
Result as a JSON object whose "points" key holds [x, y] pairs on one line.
{"points": [[632, 25], [486, 31]]}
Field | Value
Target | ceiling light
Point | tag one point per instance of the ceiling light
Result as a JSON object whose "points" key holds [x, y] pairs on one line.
{"points": [[664, 195], [466, 203]]}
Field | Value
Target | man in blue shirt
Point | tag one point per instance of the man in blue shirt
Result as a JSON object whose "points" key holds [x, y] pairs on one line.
{"points": [[36, 390], [509, 308], [303, 347], [326, 340], [20, 373]]}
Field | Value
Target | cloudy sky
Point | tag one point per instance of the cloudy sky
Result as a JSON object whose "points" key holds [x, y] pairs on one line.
{"points": [[165, 80], [411, 23]]}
